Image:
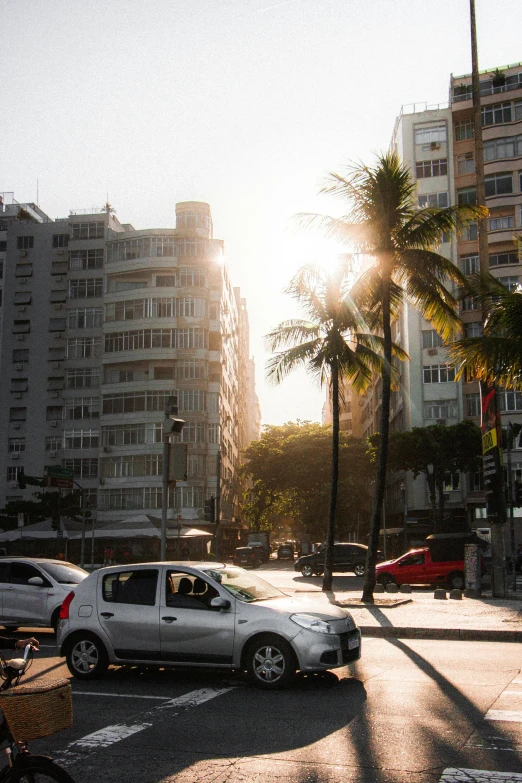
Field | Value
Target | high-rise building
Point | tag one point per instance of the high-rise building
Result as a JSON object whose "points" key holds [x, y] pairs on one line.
{"points": [[103, 325]]}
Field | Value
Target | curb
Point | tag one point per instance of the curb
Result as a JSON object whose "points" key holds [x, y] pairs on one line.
{"points": [[448, 634]]}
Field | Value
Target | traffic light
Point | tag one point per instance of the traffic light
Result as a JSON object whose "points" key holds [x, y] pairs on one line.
{"points": [[517, 493], [210, 509], [21, 479]]}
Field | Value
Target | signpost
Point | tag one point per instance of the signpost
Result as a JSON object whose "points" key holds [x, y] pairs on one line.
{"points": [[59, 477]]}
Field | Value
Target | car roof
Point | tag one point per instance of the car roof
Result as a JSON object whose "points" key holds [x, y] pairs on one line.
{"points": [[42, 560], [199, 566]]}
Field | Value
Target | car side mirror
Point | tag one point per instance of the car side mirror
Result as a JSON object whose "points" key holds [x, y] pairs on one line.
{"points": [[220, 603], [35, 580]]}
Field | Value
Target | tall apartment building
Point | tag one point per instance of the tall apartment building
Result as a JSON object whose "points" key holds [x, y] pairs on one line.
{"points": [[437, 145], [102, 324]]}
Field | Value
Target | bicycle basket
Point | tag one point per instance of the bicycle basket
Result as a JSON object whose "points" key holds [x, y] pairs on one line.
{"points": [[37, 709]]}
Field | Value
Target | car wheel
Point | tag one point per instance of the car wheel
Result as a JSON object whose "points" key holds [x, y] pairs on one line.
{"points": [[87, 658], [307, 570], [386, 579], [359, 570], [456, 581], [270, 662]]}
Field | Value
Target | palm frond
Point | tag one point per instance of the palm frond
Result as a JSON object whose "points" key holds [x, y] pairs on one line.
{"points": [[292, 333], [491, 359], [282, 363], [426, 227]]}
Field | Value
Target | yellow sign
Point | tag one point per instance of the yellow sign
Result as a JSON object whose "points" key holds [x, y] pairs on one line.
{"points": [[489, 440]]}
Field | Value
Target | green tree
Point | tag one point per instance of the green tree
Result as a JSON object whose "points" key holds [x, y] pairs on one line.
{"points": [[382, 222], [46, 505], [495, 357], [332, 343]]}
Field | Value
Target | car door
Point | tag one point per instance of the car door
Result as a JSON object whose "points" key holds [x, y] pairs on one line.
{"points": [[24, 603], [191, 631], [4, 578], [128, 612], [412, 570], [342, 557]]}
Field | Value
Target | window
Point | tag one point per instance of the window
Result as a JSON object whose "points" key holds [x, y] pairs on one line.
{"points": [[439, 373], [193, 433], [166, 281], [473, 329], [433, 200], [18, 384], [12, 472], [511, 283], [86, 468], [25, 243], [126, 285], [433, 135], [60, 240], [192, 400], [470, 265], [83, 347], [467, 195], [431, 168], [476, 482], [501, 223], [451, 482], [134, 402], [87, 230], [53, 443], [196, 465], [465, 163], [463, 130], [190, 338], [188, 497], [85, 259], [496, 113], [509, 401], [54, 413], [469, 303], [212, 433], [472, 404], [129, 499], [141, 247], [3, 248], [430, 339], [83, 378], [164, 373], [84, 318], [191, 275], [499, 149], [132, 465], [132, 434], [22, 297], [86, 288], [16, 445], [82, 408], [470, 232], [190, 369], [56, 354], [81, 439], [440, 409], [503, 259], [21, 326], [192, 220], [24, 270], [212, 402], [57, 324], [131, 587], [55, 383], [21, 355], [498, 184]]}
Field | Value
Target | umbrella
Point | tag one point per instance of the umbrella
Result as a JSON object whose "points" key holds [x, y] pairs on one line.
{"points": [[187, 532]]}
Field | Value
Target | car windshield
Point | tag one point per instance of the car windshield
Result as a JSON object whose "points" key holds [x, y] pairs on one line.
{"points": [[244, 585], [64, 573]]}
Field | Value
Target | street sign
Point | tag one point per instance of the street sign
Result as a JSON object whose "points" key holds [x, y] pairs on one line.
{"points": [[56, 472], [178, 461], [61, 483]]}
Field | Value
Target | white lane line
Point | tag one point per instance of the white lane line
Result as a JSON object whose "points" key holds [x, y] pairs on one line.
{"points": [[517, 681], [454, 775], [103, 738], [511, 693], [118, 695], [514, 716]]}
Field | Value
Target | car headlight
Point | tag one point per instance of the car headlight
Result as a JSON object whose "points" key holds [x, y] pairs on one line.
{"points": [[311, 623]]}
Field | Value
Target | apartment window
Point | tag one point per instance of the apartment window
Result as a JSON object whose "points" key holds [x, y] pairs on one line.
{"points": [[86, 468], [83, 347], [473, 329], [496, 113], [54, 413], [188, 497], [192, 400], [469, 303], [503, 259], [132, 499], [196, 465], [451, 482], [213, 433], [21, 355], [439, 373], [132, 434], [510, 401], [440, 409], [12, 472], [470, 232], [472, 404], [21, 326], [126, 285], [82, 408], [463, 130], [192, 276], [190, 338], [192, 433], [87, 230], [430, 339], [16, 445], [83, 378], [434, 135], [54, 443], [190, 369], [467, 195], [55, 383], [60, 240], [499, 149], [501, 223], [24, 270], [433, 200], [164, 373], [25, 243], [511, 282], [470, 265], [57, 324], [476, 482], [165, 281], [3, 248], [498, 184], [212, 402], [85, 259], [134, 402], [86, 288], [431, 168], [465, 163], [192, 220], [84, 318], [81, 439], [132, 466]]}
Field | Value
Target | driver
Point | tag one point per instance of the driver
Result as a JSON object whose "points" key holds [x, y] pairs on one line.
{"points": [[16, 644]]}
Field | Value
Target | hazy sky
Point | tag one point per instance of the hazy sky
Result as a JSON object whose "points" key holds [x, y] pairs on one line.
{"points": [[245, 104]]}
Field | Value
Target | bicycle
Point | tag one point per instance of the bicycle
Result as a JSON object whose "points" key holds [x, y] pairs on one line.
{"points": [[23, 766]]}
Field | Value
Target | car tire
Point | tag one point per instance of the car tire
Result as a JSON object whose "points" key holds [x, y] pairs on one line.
{"points": [[307, 570], [359, 569], [386, 579], [456, 581], [271, 662], [86, 657]]}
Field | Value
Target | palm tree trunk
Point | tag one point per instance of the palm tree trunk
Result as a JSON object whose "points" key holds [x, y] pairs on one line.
{"points": [[380, 477], [328, 563]]}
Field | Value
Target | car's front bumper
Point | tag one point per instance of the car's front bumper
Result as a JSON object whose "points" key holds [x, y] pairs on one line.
{"points": [[317, 651]]}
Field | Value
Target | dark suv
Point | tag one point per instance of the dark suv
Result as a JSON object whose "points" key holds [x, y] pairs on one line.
{"points": [[347, 557], [248, 556]]}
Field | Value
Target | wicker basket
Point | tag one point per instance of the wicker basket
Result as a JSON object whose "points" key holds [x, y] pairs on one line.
{"points": [[37, 709]]}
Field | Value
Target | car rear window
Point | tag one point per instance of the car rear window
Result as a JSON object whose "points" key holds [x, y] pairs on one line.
{"points": [[64, 574]]}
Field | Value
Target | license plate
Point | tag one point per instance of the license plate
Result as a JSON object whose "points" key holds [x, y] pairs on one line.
{"points": [[352, 643]]}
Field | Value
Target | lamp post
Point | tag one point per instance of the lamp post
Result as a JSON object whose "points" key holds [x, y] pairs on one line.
{"points": [[171, 426]]}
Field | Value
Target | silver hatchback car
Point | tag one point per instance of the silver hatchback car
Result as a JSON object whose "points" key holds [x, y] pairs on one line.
{"points": [[207, 615]]}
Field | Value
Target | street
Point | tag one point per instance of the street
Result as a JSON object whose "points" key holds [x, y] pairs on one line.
{"points": [[406, 711]]}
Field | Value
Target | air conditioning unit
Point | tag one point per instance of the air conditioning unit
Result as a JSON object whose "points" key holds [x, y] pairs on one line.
{"points": [[15, 455], [60, 251], [16, 425], [19, 366], [20, 337], [23, 281], [58, 306], [22, 309], [53, 423], [102, 481], [13, 484], [22, 253], [17, 395], [432, 351], [55, 394], [56, 365], [53, 454], [107, 449], [58, 336]]}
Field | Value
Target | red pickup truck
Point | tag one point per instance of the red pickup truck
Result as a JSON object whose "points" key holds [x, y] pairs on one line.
{"points": [[417, 568]]}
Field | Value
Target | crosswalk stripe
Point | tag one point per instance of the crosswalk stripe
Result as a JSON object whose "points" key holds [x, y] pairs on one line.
{"points": [[515, 716], [456, 775]]}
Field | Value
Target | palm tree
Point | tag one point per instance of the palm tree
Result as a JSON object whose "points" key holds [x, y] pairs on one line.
{"points": [[383, 222], [496, 357], [333, 343]]}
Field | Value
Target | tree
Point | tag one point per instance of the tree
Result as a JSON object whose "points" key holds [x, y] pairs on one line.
{"points": [[332, 343], [383, 222], [46, 505], [495, 357]]}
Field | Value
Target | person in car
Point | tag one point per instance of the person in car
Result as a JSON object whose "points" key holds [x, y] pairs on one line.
{"points": [[8, 643]]}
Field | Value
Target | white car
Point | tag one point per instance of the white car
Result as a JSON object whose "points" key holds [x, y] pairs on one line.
{"points": [[32, 590], [173, 614]]}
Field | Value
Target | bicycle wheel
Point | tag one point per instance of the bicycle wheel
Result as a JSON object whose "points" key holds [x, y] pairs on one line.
{"points": [[36, 771]]}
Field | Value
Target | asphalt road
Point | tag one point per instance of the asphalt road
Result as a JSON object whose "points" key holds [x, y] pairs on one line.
{"points": [[405, 712]]}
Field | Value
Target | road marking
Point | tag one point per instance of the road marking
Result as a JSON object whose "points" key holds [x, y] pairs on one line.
{"points": [[514, 716], [511, 693], [119, 695], [103, 738], [453, 775], [517, 681]]}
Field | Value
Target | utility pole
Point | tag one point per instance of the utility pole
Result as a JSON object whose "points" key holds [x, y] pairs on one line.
{"points": [[171, 426]]}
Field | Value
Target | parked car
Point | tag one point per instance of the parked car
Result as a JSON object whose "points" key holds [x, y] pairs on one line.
{"points": [[248, 556], [285, 552], [32, 590], [418, 567], [206, 615], [347, 557], [262, 549]]}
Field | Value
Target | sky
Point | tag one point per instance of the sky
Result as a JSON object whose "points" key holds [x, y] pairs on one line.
{"points": [[244, 104]]}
